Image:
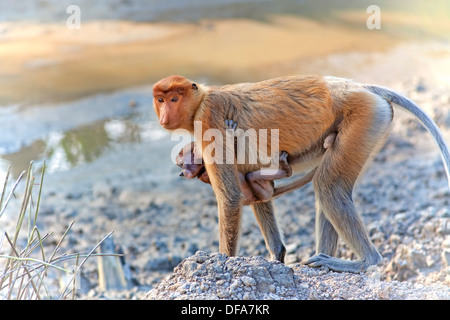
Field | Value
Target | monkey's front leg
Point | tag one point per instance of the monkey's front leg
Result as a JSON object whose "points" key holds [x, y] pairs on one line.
{"points": [[224, 181], [265, 217]]}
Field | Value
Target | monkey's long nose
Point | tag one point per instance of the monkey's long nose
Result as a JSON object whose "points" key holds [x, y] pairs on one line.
{"points": [[181, 174], [163, 121]]}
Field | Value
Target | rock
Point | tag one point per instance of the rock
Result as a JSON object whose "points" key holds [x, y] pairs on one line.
{"points": [[418, 258], [247, 281], [446, 251], [250, 278], [421, 87], [102, 189], [162, 263], [446, 257]]}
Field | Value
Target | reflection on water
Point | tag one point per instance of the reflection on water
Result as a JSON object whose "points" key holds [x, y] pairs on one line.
{"points": [[70, 134], [78, 146], [65, 150]]}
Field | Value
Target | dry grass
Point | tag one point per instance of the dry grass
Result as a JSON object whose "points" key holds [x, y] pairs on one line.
{"points": [[24, 272]]}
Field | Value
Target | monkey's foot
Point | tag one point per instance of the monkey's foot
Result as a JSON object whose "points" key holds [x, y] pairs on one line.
{"points": [[340, 265], [278, 254], [284, 165]]}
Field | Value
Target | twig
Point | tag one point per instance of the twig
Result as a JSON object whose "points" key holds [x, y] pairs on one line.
{"points": [[83, 262]]}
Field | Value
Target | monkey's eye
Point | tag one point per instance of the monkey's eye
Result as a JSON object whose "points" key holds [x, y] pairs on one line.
{"points": [[174, 99], [160, 100]]}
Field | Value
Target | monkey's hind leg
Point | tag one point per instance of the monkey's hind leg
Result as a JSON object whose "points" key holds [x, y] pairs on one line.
{"points": [[265, 217], [334, 179]]}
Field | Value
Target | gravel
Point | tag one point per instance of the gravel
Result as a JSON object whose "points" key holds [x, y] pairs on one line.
{"points": [[216, 276]]}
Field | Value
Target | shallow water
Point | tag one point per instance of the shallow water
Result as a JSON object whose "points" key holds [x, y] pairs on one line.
{"points": [[69, 134]]}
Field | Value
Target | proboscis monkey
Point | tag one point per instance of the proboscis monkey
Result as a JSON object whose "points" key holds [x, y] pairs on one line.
{"points": [[305, 110], [255, 186]]}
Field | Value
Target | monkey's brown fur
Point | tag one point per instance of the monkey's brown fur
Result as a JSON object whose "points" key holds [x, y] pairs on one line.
{"points": [[305, 110]]}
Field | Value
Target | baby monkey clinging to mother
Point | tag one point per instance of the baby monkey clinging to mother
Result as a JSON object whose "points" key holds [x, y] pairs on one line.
{"points": [[305, 110], [256, 186]]}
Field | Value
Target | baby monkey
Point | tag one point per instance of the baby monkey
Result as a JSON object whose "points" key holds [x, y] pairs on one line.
{"points": [[256, 186]]}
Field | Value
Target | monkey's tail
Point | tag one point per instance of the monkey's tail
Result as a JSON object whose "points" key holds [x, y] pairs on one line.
{"points": [[426, 121]]}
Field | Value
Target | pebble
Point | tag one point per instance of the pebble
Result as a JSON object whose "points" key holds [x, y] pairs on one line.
{"points": [[248, 281]]}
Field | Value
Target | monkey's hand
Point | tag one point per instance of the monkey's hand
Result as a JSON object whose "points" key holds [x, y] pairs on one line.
{"points": [[230, 124], [284, 165]]}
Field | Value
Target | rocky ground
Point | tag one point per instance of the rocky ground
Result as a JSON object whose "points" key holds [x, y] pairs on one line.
{"points": [[216, 276]]}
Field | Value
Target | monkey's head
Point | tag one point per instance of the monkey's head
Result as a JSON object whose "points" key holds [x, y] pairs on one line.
{"points": [[175, 100], [185, 160]]}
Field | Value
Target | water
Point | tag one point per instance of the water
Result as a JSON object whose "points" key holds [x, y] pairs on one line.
{"points": [[69, 134]]}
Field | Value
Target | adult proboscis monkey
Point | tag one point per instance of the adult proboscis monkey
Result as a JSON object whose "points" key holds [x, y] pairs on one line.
{"points": [[305, 110]]}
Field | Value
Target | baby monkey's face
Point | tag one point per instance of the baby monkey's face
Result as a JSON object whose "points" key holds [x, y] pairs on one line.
{"points": [[185, 160]]}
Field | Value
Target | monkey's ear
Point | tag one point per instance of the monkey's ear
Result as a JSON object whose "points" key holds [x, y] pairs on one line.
{"points": [[194, 86]]}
